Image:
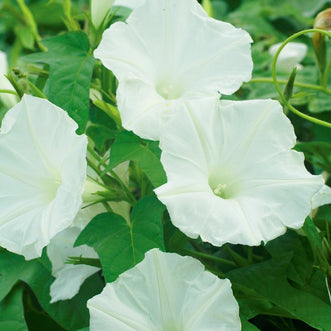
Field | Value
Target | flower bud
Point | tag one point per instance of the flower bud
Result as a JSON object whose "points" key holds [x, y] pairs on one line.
{"points": [[322, 22], [9, 100], [100, 10], [290, 56]]}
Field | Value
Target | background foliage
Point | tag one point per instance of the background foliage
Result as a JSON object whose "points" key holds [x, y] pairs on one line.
{"points": [[279, 286]]}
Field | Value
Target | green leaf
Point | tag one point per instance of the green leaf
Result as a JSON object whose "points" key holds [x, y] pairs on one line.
{"points": [[320, 102], [101, 136], [25, 36], [12, 311], [70, 314], [317, 153], [71, 67], [121, 245], [246, 326], [269, 280], [128, 146]]}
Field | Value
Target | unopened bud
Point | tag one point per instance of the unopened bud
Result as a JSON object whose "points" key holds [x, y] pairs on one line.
{"points": [[322, 22]]}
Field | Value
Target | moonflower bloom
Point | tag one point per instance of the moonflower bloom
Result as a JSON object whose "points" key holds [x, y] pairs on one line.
{"points": [[165, 292], [232, 176], [170, 51], [42, 175], [290, 56]]}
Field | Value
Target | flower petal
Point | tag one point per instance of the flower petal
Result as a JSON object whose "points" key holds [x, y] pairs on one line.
{"points": [[323, 197], [42, 175], [176, 52], [290, 56], [69, 280], [165, 292], [70, 277], [232, 176]]}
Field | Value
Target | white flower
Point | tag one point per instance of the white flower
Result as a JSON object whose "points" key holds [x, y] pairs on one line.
{"points": [[322, 197], [42, 175], [100, 10], [9, 100], [165, 292], [167, 52], [290, 56], [70, 277], [232, 176], [132, 4]]}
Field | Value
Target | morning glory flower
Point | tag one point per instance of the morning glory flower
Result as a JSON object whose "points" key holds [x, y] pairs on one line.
{"points": [[165, 292], [167, 52], [290, 56], [232, 175], [9, 100], [42, 175]]}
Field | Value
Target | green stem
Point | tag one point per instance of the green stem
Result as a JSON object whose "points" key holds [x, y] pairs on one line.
{"points": [[274, 77], [93, 153], [240, 261], [130, 196], [93, 166], [210, 257], [102, 91], [77, 260], [8, 91], [284, 82], [325, 77], [37, 92]]}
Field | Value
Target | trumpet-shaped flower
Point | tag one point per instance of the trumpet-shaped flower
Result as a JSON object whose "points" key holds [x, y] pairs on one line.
{"points": [[170, 51], [290, 56], [42, 175], [165, 292], [232, 176]]}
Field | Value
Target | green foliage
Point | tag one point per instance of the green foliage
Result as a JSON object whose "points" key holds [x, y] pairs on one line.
{"points": [[70, 314], [317, 153], [71, 66], [128, 146], [12, 312], [266, 289], [279, 286], [121, 244]]}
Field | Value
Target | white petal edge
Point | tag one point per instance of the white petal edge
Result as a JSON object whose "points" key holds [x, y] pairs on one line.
{"points": [[43, 170], [165, 292]]}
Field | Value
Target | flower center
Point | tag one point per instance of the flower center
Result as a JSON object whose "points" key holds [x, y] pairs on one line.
{"points": [[169, 89], [223, 184], [49, 187]]}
